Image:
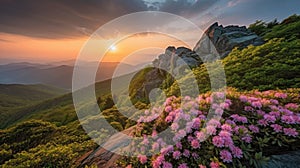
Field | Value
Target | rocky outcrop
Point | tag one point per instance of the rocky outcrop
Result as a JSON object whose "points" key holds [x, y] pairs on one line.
{"points": [[216, 43], [224, 39]]}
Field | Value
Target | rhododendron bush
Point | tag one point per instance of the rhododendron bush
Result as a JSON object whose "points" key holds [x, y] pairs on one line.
{"points": [[244, 129]]}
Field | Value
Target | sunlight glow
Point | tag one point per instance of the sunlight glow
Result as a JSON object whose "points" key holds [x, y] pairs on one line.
{"points": [[112, 48]]}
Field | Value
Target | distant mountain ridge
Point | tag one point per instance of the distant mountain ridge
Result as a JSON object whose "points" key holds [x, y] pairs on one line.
{"points": [[58, 75]]}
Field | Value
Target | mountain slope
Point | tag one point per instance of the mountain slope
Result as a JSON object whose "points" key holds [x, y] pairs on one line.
{"points": [[16, 96]]}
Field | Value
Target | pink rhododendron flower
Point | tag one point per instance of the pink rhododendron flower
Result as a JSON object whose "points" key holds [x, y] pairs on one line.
{"points": [[288, 119], [276, 127], [142, 158], [176, 155], [290, 132], [200, 136], [186, 153], [179, 145], [244, 98], [274, 101], [167, 165], [226, 156], [281, 95], [202, 166], [237, 152], [254, 128], [195, 144], [291, 106], [247, 138], [196, 123], [195, 155], [169, 119], [211, 130], [214, 165], [219, 111], [262, 122], [275, 114], [248, 108], [256, 104], [269, 118], [226, 127], [174, 126], [218, 141], [260, 112], [183, 165]]}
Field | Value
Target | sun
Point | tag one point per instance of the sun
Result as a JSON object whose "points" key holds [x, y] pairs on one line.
{"points": [[112, 48]]}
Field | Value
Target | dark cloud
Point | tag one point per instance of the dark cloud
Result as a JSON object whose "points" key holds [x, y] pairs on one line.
{"points": [[72, 18], [186, 8]]}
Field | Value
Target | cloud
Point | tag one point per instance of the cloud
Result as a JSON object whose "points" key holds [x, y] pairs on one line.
{"points": [[233, 3], [56, 19]]}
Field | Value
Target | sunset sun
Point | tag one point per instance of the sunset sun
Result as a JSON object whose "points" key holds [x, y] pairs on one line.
{"points": [[112, 48]]}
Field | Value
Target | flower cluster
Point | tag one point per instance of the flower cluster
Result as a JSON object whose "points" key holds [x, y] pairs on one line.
{"points": [[211, 130]]}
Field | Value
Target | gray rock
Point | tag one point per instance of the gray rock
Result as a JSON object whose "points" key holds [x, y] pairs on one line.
{"points": [[224, 39], [289, 160]]}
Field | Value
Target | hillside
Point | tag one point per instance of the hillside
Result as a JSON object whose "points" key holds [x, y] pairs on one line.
{"points": [[17, 96]]}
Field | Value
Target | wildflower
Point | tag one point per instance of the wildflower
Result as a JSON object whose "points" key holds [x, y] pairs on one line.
{"points": [[288, 119], [195, 144], [195, 155], [226, 127], [226, 156], [237, 152], [254, 128], [291, 106], [260, 112], [262, 122], [142, 158], [168, 109], [188, 127], [248, 108], [200, 136], [276, 127], [281, 95], [247, 138], [211, 130], [219, 111], [179, 145], [275, 114], [214, 165], [244, 98], [196, 123], [167, 165], [183, 165], [202, 166], [256, 104], [176, 155], [186, 153], [174, 126], [274, 101], [169, 119], [218, 141], [269, 118], [290, 132]]}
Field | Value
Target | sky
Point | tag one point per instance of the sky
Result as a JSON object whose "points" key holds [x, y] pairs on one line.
{"points": [[56, 30]]}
